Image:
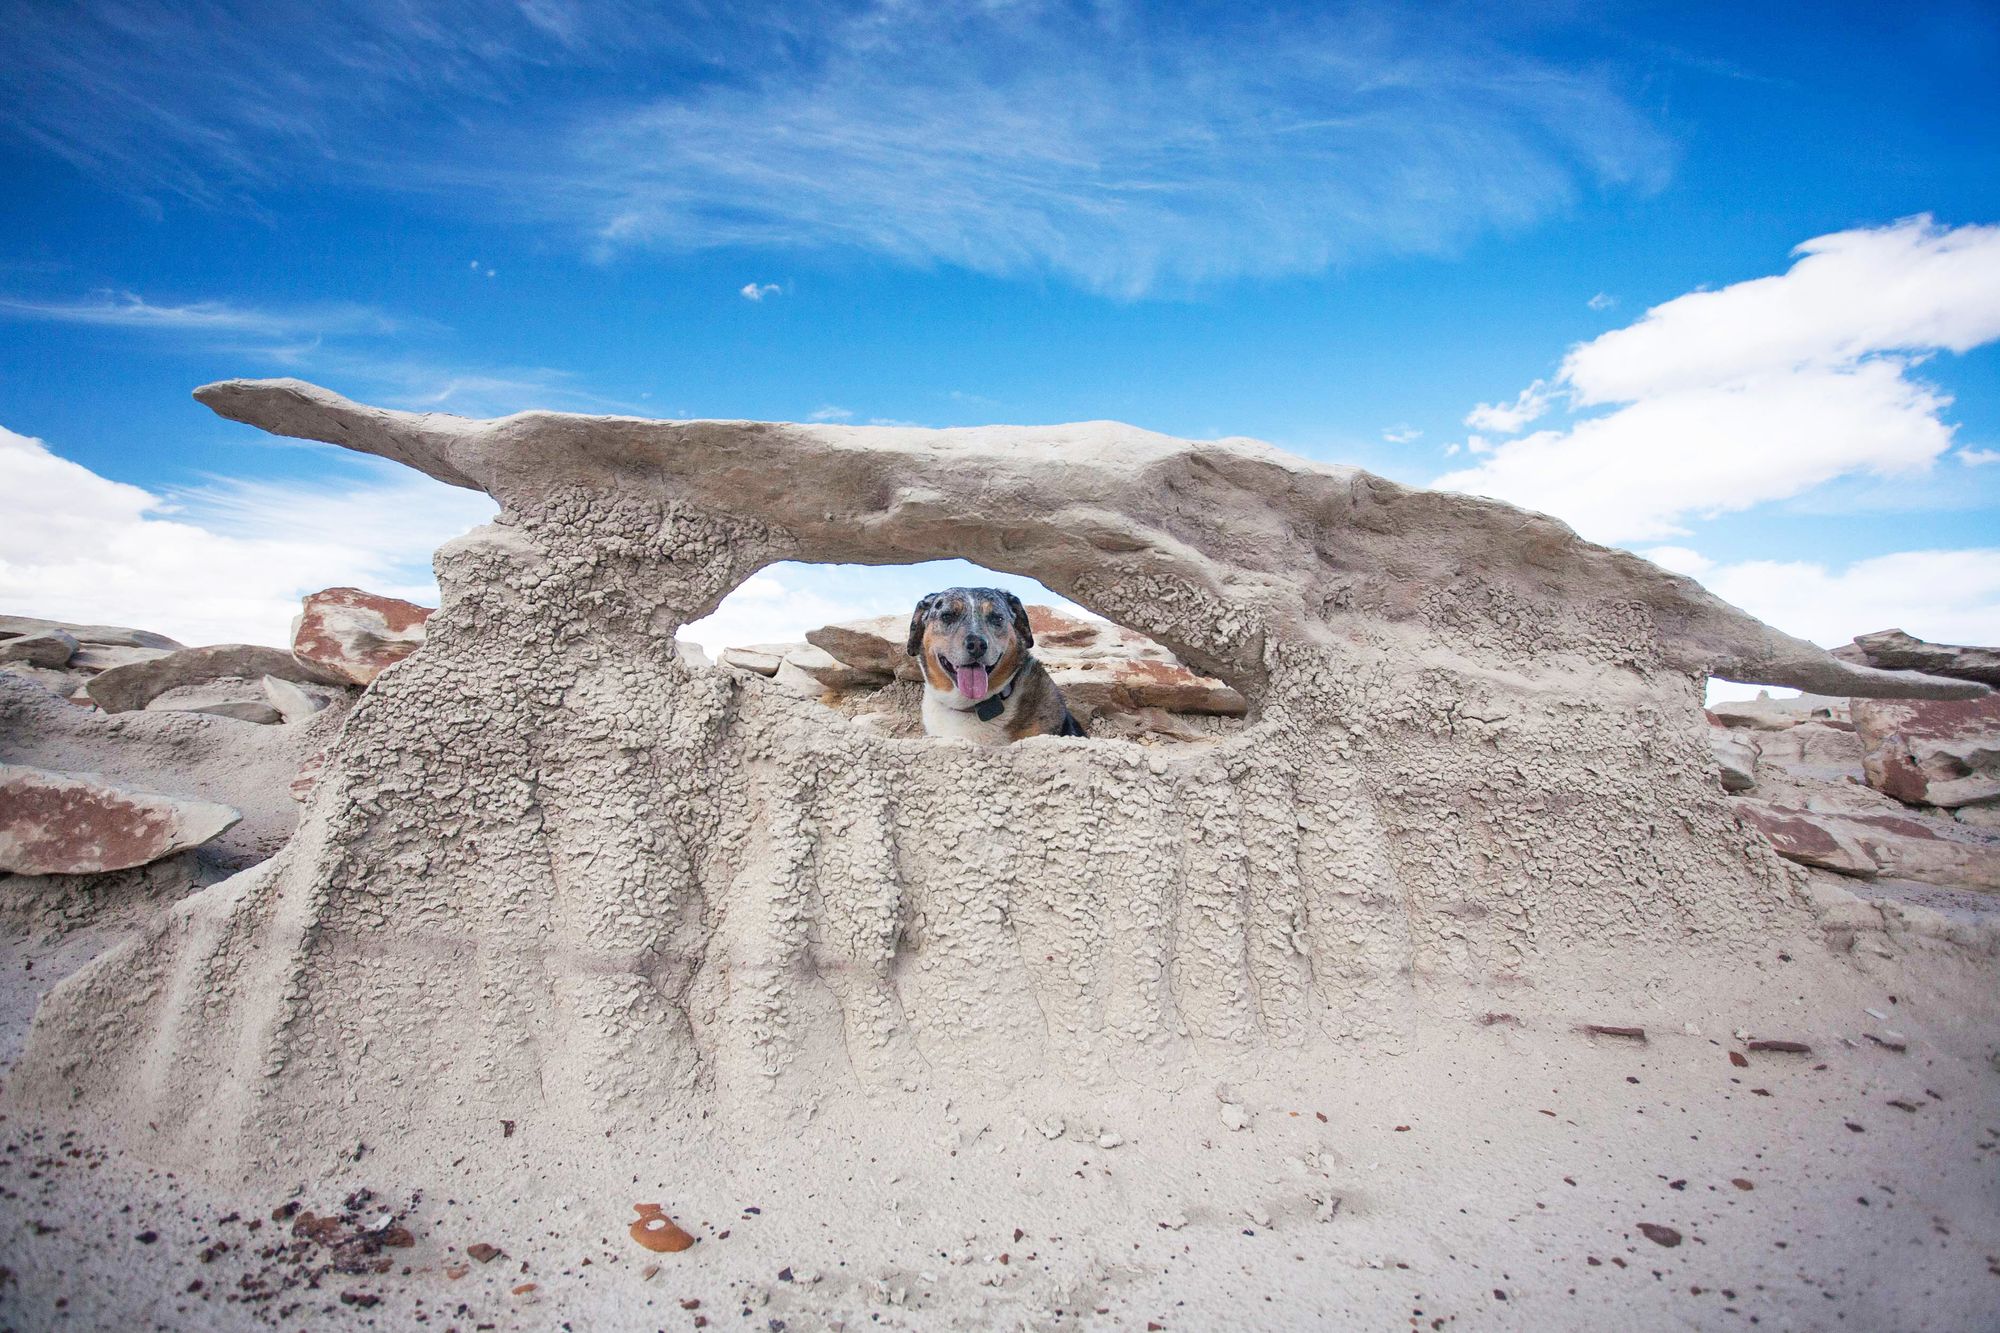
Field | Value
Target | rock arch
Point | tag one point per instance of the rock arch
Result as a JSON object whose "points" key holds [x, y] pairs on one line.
{"points": [[545, 856]]}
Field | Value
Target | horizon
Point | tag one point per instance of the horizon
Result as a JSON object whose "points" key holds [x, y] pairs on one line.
{"points": [[1719, 288]]}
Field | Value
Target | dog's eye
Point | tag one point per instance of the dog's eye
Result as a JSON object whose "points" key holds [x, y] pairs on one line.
{"points": [[948, 617], [995, 618]]}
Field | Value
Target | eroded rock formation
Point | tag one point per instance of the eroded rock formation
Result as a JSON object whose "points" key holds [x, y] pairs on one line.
{"points": [[546, 853]]}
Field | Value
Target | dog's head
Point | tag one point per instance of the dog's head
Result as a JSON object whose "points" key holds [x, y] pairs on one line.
{"points": [[970, 638]]}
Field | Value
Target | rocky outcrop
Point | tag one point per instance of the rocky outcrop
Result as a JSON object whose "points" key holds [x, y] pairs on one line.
{"points": [[1736, 757], [1932, 752], [79, 824], [1893, 650], [43, 648], [1767, 714], [105, 636], [761, 659], [1895, 846], [351, 636], [830, 672], [567, 871], [184, 755], [137, 684], [290, 701], [1869, 787]]}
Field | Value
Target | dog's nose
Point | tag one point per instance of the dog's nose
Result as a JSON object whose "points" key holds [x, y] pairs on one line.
{"points": [[975, 645]]}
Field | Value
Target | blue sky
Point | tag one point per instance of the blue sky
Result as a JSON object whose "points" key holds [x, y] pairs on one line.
{"points": [[1427, 243]]}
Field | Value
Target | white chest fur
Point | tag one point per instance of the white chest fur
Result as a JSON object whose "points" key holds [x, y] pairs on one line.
{"points": [[963, 724]]}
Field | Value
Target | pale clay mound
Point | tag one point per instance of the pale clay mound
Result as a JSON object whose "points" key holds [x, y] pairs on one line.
{"points": [[695, 939]]}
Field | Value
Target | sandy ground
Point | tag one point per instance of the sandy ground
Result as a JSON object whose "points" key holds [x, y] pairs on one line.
{"points": [[1498, 1175]]}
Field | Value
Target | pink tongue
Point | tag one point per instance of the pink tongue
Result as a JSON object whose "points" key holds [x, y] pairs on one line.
{"points": [[972, 682]]}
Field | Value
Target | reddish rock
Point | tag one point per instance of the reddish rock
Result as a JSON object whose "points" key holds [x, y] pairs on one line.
{"points": [[658, 1232], [1934, 851], [308, 775], [352, 636], [1800, 837], [78, 824], [1933, 751]]}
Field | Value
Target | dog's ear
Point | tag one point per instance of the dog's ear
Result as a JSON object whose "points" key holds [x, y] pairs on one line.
{"points": [[918, 619], [1022, 630]]}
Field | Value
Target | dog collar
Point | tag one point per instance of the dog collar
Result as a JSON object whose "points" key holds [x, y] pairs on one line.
{"points": [[995, 704]]}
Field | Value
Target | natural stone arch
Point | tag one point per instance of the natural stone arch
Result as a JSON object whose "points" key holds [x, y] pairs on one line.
{"points": [[547, 855]]}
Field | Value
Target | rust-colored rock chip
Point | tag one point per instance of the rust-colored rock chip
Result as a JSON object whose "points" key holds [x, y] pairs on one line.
{"points": [[1660, 1235], [80, 824], [483, 1252], [353, 636], [656, 1231]]}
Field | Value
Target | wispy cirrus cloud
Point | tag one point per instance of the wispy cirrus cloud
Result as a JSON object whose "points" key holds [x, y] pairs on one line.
{"points": [[357, 347], [1121, 147], [128, 310]]}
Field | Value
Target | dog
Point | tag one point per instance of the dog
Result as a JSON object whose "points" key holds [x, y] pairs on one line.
{"points": [[981, 684]]}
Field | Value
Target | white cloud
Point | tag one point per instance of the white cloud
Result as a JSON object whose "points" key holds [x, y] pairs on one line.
{"points": [[1759, 391], [1602, 301], [1943, 596], [829, 412], [751, 291], [223, 564], [1978, 457], [1507, 418], [1401, 435], [1912, 286]]}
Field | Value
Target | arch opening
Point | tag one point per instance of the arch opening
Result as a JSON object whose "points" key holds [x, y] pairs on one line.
{"points": [[837, 634]]}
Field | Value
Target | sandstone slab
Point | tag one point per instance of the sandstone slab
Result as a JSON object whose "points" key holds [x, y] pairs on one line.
{"points": [[124, 688], [50, 648], [217, 703], [833, 673], [1931, 752], [77, 823], [61, 683], [761, 659], [1767, 714], [1890, 845], [1736, 758], [110, 636], [878, 643], [1891, 649], [95, 657], [187, 754], [348, 635], [292, 703]]}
